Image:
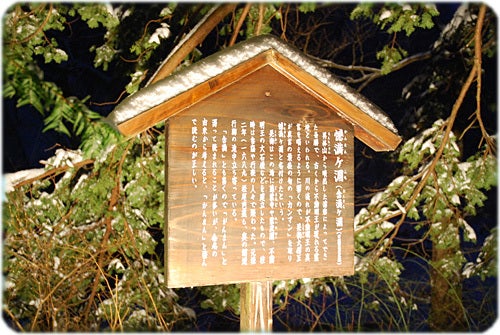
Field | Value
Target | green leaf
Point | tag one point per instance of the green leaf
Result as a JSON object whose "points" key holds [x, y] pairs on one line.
{"points": [[307, 7]]}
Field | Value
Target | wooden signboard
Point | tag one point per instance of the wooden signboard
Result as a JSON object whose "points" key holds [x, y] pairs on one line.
{"points": [[259, 165], [259, 169], [259, 186]]}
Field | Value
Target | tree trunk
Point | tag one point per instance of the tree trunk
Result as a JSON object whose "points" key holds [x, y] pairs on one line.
{"points": [[446, 311]]}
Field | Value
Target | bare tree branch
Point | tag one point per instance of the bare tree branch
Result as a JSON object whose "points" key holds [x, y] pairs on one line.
{"points": [[53, 172], [474, 73], [192, 39], [260, 21], [374, 72], [478, 64], [239, 24]]}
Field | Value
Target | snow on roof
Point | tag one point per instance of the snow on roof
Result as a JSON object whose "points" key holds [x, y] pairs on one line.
{"points": [[216, 64]]}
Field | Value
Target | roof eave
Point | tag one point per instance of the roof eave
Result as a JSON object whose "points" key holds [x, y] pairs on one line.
{"points": [[371, 124], [367, 129]]}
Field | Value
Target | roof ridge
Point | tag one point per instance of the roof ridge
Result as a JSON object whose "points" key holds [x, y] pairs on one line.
{"points": [[213, 65]]}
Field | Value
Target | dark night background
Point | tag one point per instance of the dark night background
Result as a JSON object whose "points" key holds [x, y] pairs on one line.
{"points": [[24, 143]]}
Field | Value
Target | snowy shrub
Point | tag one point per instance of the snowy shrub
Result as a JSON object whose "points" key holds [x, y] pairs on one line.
{"points": [[79, 252]]}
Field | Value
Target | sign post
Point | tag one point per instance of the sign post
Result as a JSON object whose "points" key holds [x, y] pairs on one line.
{"points": [[256, 307], [259, 168]]}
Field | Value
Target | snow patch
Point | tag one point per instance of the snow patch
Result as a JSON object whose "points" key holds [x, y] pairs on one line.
{"points": [[455, 199], [10, 180], [462, 16], [468, 270], [471, 234], [386, 225], [429, 145], [64, 157], [57, 262], [376, 199], [385, 15], [160, 33], [116, 264]]}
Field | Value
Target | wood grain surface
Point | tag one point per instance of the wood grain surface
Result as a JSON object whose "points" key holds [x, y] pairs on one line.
{"points": [[209, 191]]}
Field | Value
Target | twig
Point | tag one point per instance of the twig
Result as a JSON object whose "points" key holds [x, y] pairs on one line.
{"points": [[13, 318], [113, 201], [239, 24], [258, 27], [477, 63], [39, 29], [374, 72], [396, 213], [111, 102], [52, 291], [53, 172]]}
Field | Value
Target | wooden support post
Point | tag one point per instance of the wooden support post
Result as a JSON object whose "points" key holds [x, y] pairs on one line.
{"points": [[256, 307]]}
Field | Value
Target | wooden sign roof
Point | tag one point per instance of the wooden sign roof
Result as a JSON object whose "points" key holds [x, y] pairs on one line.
{"points": [[191, 85]]}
